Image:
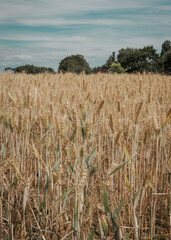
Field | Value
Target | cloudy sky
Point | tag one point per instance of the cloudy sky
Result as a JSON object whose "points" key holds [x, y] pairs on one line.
{"points": [[42, 32]]}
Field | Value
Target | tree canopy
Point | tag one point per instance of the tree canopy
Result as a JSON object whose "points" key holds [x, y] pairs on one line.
{"points": [[74, 64], [166, 46], [167, 62], [31, 69], [139, 60], [166, 56]]}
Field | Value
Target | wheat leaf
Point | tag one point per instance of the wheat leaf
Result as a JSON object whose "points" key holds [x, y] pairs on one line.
{"points": [[118, 168], [105, 199], [60, 198]]}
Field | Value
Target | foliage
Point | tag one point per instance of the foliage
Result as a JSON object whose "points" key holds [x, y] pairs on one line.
{"points": [[110, 60], [100, 69], [167, 62], [166, 46], [74, 64], [30, 69], [130, 60], [166, 56], [140, 60], [116, 68]]}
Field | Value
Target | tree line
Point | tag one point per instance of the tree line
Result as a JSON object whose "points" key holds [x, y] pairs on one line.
{"points": [[30, 69], [129, 60]]}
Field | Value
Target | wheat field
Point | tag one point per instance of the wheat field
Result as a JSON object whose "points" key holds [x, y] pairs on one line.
{"points": [[85, 156]]}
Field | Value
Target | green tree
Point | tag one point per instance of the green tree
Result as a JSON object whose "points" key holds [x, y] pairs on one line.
{"points": [[116, 68], [74, 64], [149, 60], [166, 58], [9, 69], [128, 59], [110, 60], [140, 60], [166, 46], [30, 69]]}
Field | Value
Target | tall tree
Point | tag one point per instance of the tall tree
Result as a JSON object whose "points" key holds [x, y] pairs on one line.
{"points": [[74, 64], [166, 56], [166, 46], [110, 60], [140, 60], [128, 58], [167, 62]]}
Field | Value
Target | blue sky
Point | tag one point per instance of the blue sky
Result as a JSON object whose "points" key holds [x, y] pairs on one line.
{"points": [[43, 32]]}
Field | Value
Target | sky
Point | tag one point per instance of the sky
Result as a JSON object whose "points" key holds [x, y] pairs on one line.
{"points": [[43, 32]]}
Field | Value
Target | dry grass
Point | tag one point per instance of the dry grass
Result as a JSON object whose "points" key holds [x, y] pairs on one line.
{"points": [[85, 157]]}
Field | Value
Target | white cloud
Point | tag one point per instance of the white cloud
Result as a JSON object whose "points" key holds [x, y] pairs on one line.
{"points": [[23, 57], [62, 21], [19, 10], [41, 37], [4, 63]]}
